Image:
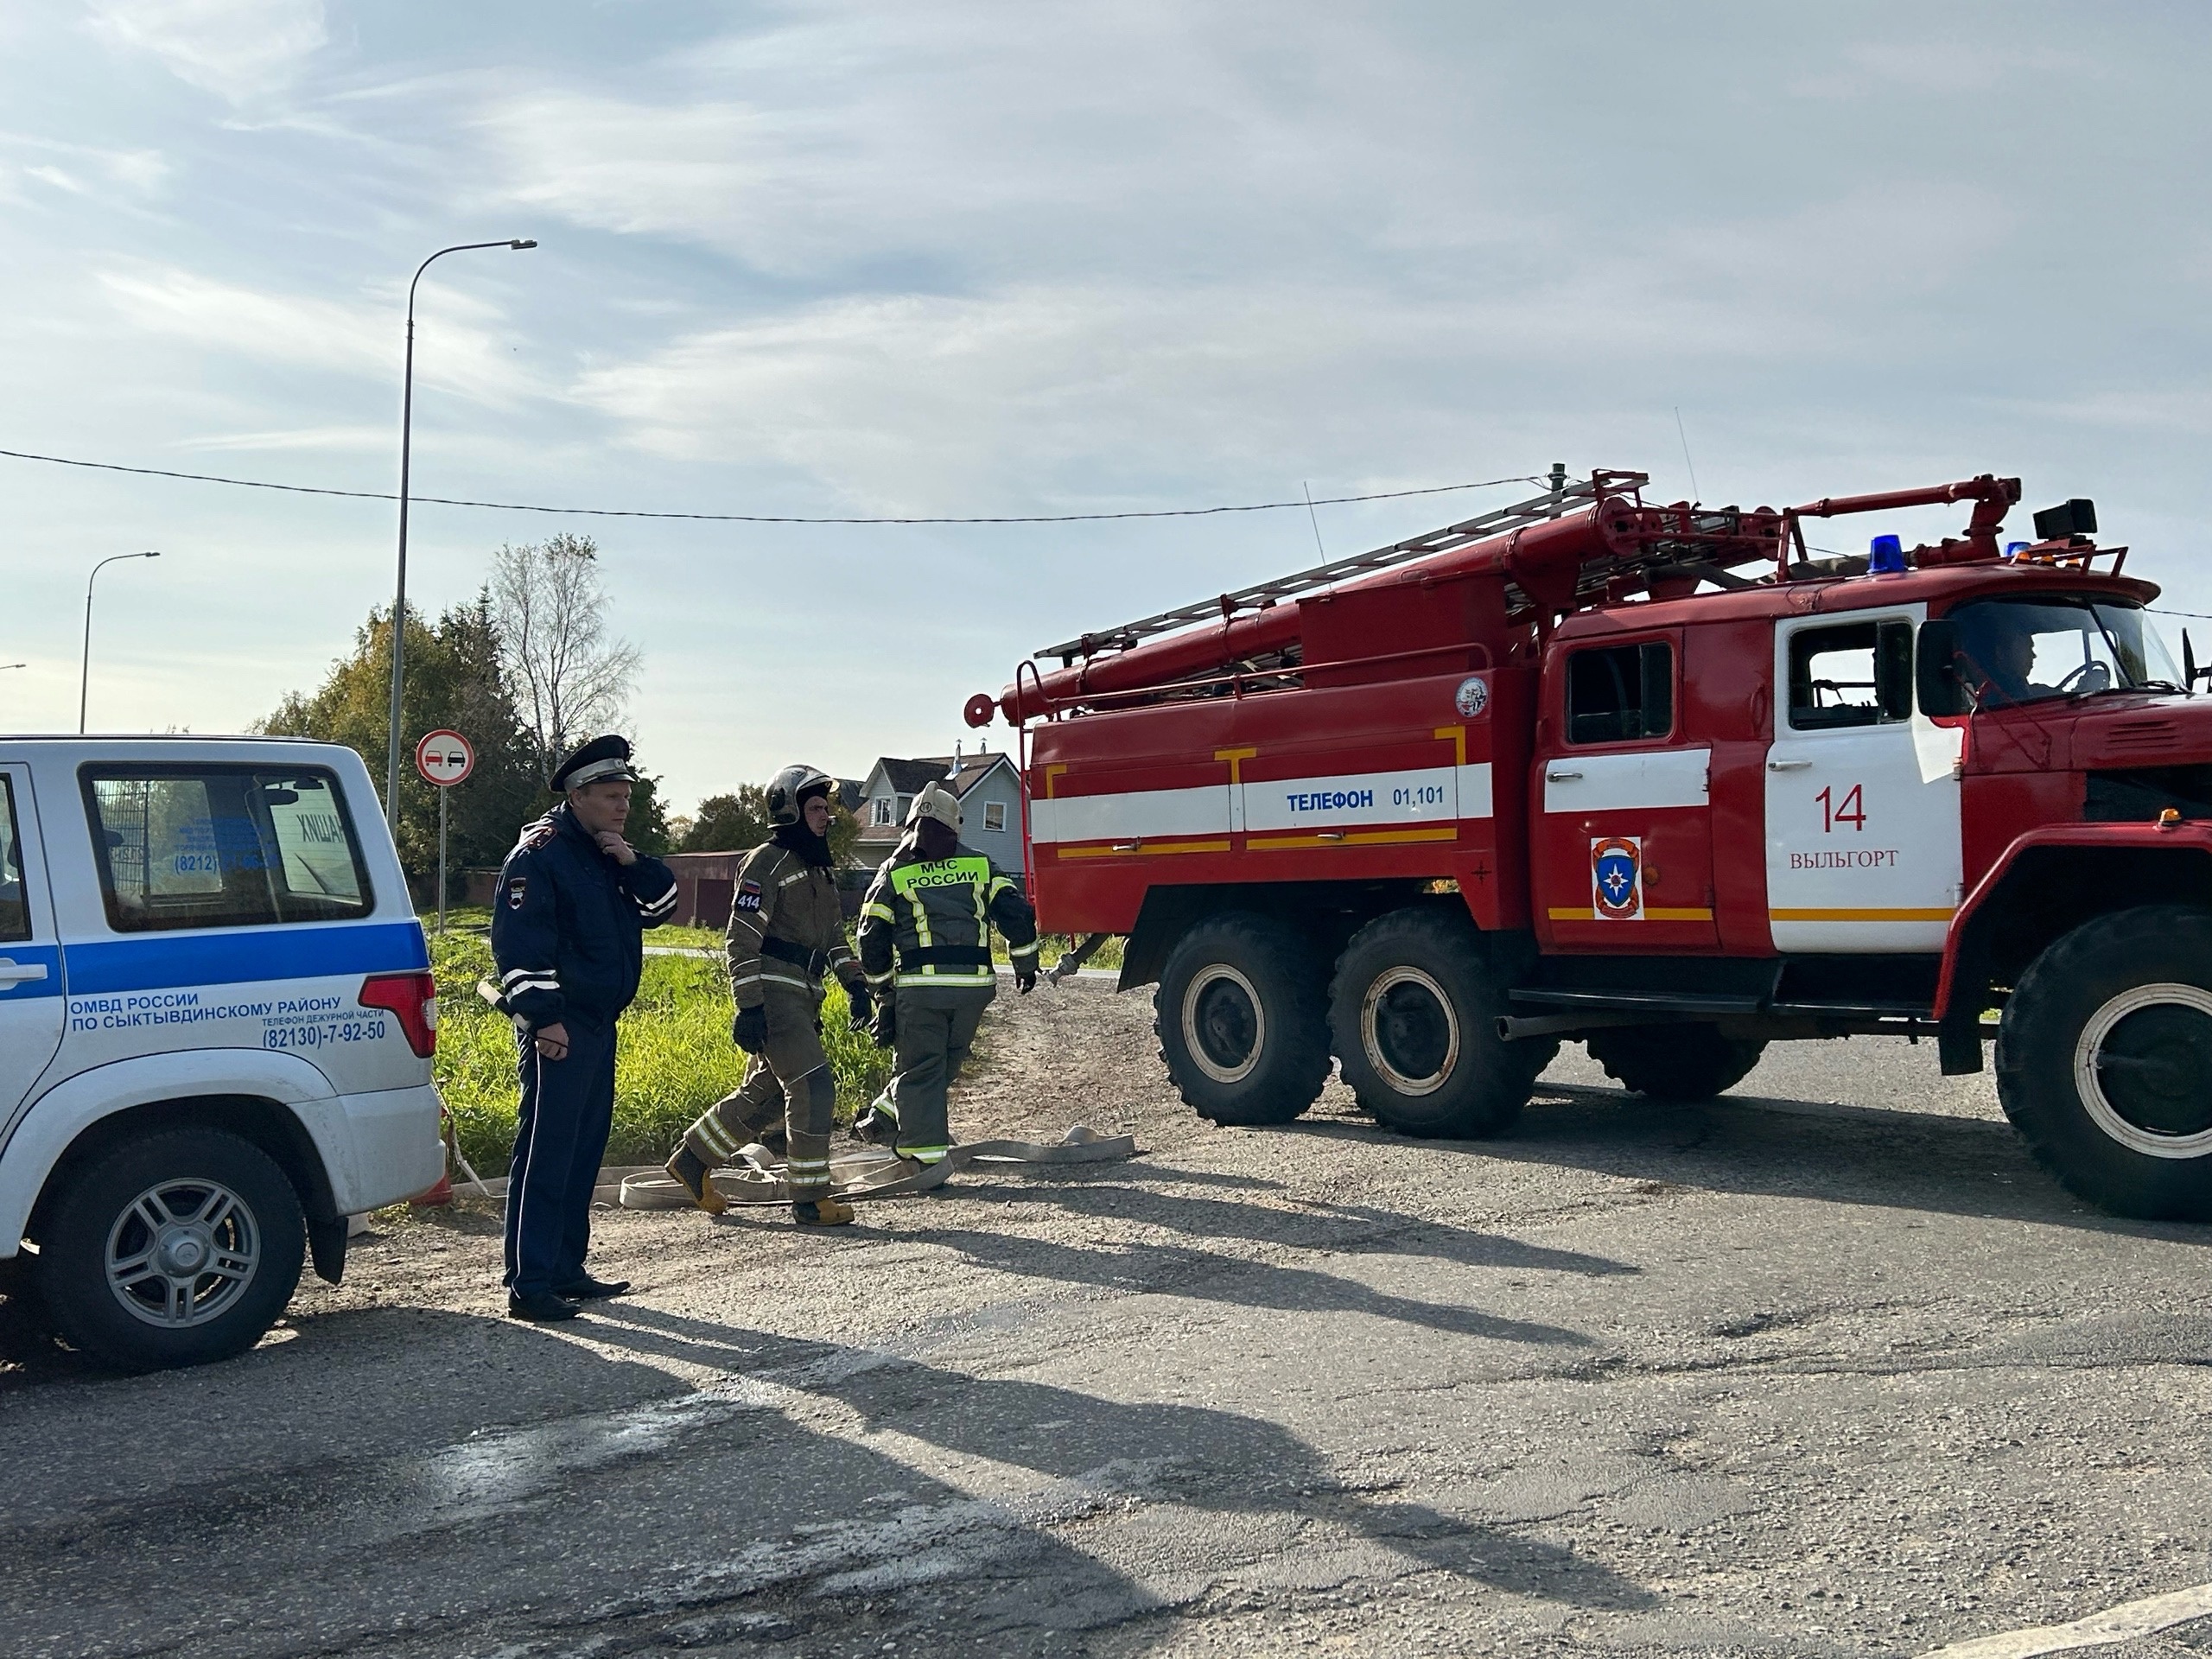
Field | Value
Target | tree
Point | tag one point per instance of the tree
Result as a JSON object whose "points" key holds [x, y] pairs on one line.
{"points": [[648, 828], [729, 823], [453, 679], [570, 676]]}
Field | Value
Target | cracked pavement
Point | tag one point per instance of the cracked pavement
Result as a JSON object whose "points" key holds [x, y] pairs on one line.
{"points": [[1825, 1367]]}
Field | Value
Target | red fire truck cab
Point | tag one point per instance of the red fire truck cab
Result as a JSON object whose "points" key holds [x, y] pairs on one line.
{"points": [[1659, 780]]}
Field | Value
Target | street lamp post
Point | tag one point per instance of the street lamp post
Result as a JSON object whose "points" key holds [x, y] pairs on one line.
{"points": [[399, 592], [85, 675]]}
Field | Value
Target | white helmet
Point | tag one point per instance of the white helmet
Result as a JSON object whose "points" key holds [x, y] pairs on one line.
{"points": [[938, 802]]}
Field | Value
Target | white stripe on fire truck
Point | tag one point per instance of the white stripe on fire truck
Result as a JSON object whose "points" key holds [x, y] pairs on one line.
{"points": [[1429, 794], [1646, 779]]}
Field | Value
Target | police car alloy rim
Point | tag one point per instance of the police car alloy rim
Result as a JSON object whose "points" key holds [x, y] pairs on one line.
{"points": [[1410, 1031], [2143, 1068], [1225, 1026], [182, 1253]]}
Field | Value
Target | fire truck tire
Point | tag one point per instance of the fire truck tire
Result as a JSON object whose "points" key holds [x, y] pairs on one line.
{"points": [[1685, 1063], [1413, 1009], [1241, 1020], [2103, 1058]]}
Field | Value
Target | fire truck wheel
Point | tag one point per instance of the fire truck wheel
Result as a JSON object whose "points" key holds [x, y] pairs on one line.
{"points": [[1414, 1012], [1673, 1062], [1241, 1020], [2104, 1062]]}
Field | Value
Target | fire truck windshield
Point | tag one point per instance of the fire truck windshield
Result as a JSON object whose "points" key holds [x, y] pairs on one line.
{"points": [[2026, 650]]}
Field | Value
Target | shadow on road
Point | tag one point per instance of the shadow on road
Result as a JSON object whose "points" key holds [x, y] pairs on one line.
{"points": [[482, 1480], [1897, 1158]]}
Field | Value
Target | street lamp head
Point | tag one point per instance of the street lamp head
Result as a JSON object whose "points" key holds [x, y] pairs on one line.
{"points": [[154, 554], [526, 243]]}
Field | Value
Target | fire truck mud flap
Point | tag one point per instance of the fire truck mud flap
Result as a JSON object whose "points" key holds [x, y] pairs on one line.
{"points": [[2104, 1062], [1242, 1018], [1413, 1011]]}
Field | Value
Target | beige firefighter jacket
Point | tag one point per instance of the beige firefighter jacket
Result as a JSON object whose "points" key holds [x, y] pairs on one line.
{"points": [[786, 927]]}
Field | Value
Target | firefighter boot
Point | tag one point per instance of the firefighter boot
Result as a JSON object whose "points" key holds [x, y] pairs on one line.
{"points": [[822, 1212], [879, 1125], [691, 1172]]}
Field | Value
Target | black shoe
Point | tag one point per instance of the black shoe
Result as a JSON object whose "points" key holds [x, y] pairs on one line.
{"points": [[540, 1306], [587, 1288]]}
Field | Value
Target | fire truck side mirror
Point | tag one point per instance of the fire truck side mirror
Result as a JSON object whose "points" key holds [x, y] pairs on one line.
{"points": [[1941, 691]]}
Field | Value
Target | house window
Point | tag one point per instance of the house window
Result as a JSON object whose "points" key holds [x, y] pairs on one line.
{"points": [[1620, 694], [906, 805], [881, 815], [995, 816]]}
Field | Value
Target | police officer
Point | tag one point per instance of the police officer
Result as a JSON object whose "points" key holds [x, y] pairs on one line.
{"points": [[925, 946], [573, 898], [786, 931]]}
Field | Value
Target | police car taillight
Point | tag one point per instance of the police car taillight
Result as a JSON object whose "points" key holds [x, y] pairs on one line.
{"points": [[412, 999]]}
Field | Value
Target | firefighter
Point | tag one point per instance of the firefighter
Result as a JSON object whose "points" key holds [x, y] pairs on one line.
{"points": [[925, 945], [786, 932], [573, 899]]}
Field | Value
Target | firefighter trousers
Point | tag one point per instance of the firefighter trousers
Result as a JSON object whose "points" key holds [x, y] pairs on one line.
{"points": [[936, 1029], [791, 1080]]}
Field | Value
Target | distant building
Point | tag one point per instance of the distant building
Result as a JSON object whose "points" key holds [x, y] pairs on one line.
{"points": [[989, 788]]}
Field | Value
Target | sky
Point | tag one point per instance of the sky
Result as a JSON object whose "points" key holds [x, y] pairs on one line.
{"points": [[834, 259]]}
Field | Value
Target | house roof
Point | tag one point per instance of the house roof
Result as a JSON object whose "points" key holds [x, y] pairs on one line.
{"points": [[907, 777]]}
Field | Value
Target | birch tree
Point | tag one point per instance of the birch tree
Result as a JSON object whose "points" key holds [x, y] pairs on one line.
{"points": [[571, 676]]}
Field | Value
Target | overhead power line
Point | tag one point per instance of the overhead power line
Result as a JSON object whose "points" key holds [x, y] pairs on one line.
{"points": [[760, 517]]}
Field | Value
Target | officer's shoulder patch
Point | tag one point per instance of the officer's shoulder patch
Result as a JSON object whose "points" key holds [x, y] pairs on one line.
{"points": [[518, 887], [748, 895], [536, 834]]}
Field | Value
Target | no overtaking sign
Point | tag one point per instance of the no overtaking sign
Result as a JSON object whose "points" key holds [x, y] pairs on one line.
{"points": [[444, 758]]}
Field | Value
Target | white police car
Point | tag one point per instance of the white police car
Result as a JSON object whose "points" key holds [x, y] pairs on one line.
{"points": [[216, 1021]]}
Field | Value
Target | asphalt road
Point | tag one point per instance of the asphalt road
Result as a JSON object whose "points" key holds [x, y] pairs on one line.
{"points": [[1828, 1367]]}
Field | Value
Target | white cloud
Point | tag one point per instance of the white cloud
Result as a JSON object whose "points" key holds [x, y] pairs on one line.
{"points": [[459, 350], [238, 49]]}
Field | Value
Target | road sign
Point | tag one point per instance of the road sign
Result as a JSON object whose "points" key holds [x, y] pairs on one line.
{"points": [[444, 758]]}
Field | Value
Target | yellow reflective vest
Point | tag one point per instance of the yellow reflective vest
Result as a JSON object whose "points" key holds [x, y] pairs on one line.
{"points": [[928, 922]]}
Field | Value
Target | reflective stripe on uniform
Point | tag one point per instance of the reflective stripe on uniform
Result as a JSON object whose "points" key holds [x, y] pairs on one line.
{"points": [[947, 977], [881, 912], [924, 1154]]}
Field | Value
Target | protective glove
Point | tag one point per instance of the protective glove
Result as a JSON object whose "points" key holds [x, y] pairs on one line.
{"points": [[749, 1031], [1025, 976], [885, 1026], [861, 1007]]}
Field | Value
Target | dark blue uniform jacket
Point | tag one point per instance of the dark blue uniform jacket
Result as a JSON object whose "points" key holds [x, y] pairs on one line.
{"points": [[567, 921]]}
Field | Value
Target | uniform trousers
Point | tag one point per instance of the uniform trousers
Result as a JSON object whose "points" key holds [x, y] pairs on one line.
{"points": [[936, 1028], [789, 1080], [567, 1107]]}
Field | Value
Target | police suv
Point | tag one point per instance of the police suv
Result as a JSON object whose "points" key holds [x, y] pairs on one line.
{"points": [[216, 1022]]}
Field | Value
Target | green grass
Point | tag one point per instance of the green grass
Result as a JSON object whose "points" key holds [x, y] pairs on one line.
{"points": [[674, 1060], [1057, 945]]}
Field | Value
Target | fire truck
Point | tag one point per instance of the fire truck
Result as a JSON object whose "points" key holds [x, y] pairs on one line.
{"points": [[1666, 780]]}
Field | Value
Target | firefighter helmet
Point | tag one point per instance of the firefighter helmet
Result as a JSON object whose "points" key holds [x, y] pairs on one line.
{"points": [[788, 790], [938, 802]]}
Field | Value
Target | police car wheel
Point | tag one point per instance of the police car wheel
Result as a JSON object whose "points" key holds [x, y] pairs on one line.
{"points": [[1414, 1008], [1681, 1063], [175, 1249], [2104, 1062], [1240, 1019]]}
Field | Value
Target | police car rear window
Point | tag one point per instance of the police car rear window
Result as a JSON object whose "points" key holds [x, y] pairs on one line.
{"points": [[15, 909], [213, 846]]}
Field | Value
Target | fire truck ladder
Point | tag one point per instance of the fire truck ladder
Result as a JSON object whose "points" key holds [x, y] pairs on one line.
{"points": [[1562, 498]]}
